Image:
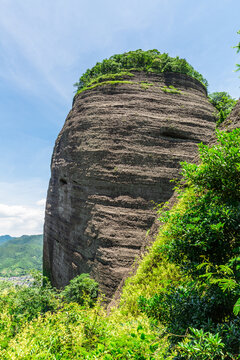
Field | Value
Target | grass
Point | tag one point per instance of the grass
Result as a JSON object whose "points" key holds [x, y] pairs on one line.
{"points": [[145, 85], [109, 82], [106, 77], [114, 79], [154, 272], [171, 90]]}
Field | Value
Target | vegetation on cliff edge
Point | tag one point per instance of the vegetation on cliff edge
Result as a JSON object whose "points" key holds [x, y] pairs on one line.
{"points": [[120, 65], [224, 103]]}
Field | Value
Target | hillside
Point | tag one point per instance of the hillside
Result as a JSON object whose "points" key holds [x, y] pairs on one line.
{"points": [[19, 255], [4, 238], [184, 301]]}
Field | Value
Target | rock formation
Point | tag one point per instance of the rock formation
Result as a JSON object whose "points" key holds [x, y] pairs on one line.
{"points": [[119, 148], [233, 120]]}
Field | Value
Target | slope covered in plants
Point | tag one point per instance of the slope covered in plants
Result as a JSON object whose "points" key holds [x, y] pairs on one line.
{"points": [[197, 290], [183, 303]]}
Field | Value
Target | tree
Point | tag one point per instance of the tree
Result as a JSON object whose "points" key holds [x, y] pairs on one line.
{"points": [[224, 104], [238, 50]]}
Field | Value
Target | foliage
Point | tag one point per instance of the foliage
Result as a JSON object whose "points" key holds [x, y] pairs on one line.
{"points": [[150, 61], [80, 288], [145, 85], [154, 274], [20, 255], [171, 90], [21, 304], [220, 167], [238, 50], [182, 303], [201, 345], [224, 104], [203, 240], [75, 332], [209, 228], [101, 83], [178, 309], [4, 238]]}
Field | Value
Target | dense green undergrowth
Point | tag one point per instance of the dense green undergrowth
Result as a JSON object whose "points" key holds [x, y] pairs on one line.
{"points": [[182, 303], [201, 239], [224, 103], [120, 65]]}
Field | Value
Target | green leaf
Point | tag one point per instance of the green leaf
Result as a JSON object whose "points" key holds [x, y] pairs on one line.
{"points": [[236, 308]]}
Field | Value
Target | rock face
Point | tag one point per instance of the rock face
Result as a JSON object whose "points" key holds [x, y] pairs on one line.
{"points": [[233, 120], [119, 148]]}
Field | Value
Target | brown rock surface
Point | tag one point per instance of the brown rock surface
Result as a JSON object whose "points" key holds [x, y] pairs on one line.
{"points": [[233, 120], [116, 154]]}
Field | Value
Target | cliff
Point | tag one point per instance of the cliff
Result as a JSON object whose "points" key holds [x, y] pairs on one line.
{"points": [[120, 146]]}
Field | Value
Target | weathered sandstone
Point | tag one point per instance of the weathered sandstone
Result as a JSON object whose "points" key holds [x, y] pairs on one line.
{"points": [[119, 148]]}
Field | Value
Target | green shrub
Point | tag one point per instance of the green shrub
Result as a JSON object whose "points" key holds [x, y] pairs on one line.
{"points": [[178, 309], [76, 333], [224, 104], [219, 169], [21, 304], [201, 345], [230, 334], [238, 50], [82, 287], [202, 238], [150, 61]]}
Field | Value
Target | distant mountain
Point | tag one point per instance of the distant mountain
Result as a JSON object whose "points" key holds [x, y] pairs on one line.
{"points": [[4, 238], [20, 255]]}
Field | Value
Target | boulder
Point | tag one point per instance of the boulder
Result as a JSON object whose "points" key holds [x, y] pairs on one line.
{"points": [[113, 161]]}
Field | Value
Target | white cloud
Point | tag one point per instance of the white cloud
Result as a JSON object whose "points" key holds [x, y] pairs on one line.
{"points": [[41, 202], [23, 193], [44, 42], [22, 206], [18, 220]]}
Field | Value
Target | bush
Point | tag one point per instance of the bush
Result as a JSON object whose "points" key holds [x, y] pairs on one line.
{"points": [[80, 289], [21, 304], [178, 309], [201, 345], [203, 240], [151, 61], [219, 169], [76, 333], [224, 104], [238, 50]]}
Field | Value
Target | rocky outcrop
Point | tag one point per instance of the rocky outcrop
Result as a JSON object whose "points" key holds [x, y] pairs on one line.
{"points": [[233, 120], [119, 148]]}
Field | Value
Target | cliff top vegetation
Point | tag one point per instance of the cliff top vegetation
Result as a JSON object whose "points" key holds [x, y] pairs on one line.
{"points": [[149, 61]]}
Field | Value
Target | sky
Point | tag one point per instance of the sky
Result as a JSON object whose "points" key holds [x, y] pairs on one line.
{"points": [[46, 45]]}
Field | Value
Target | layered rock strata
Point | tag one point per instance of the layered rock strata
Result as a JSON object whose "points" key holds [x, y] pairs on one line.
{"points": [[120, 146], [233, 120]]}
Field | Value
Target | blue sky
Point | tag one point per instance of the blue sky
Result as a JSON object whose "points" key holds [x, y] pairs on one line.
{"points": [[45, 46]]}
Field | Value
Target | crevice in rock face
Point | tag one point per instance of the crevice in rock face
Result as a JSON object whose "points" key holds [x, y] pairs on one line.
{"points": [[62, 181], [175, 134], [114, 158]]}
